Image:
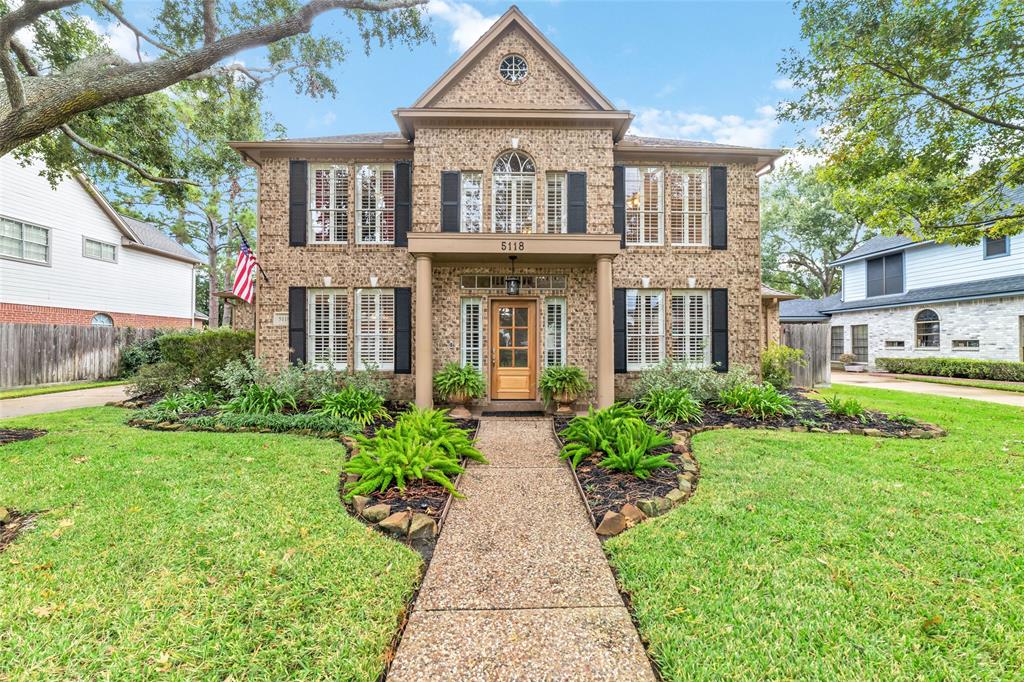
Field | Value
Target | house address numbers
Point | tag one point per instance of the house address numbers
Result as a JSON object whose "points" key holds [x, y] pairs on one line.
{"points": [[513, 245]]}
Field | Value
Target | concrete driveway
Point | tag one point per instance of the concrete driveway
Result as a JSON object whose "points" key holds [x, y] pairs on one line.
{"points": [[947, 390], [55, 402]]}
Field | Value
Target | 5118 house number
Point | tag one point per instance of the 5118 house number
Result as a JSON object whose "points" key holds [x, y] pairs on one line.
{"points": [[513, 246]]}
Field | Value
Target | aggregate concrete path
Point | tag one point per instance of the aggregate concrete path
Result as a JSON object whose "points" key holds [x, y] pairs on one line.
{"points": [[66, 400], [519, 588], [909, 386]]}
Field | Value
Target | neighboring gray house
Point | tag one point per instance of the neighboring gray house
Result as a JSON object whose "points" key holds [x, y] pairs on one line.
{"points": [[902, 298]]}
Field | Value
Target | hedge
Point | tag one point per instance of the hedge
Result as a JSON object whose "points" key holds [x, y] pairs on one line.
{"points": [[201, 355], [1000, 370]]}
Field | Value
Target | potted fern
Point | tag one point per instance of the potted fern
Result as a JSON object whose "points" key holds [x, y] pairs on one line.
{"points": [[563, 384], [459, 385]]}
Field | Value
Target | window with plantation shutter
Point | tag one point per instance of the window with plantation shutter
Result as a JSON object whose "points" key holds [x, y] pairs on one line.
{"points": [[472, 206], [554, 328], [688, 206], [644, 189], [375, 329], [472, 334], [691, 328], [645, 328], [375, 204], [555, 204], [328, 204], [327, 328]]}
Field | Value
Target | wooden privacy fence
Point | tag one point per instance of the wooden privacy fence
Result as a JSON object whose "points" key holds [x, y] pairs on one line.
{"points": [[813, 340], [32, 354]]}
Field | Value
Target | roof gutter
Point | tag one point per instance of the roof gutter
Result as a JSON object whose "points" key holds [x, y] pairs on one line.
{"points": [[941, 299], [884, 252], [158, 252]]}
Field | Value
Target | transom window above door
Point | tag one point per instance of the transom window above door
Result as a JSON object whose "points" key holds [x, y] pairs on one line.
{"points": [[513, 193]]}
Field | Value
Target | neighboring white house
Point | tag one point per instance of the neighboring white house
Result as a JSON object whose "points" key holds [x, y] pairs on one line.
{"points": [[902, 299], [66, 257]]}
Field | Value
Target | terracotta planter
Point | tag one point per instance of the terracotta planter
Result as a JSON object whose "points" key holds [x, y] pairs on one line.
{"points": [[565, 401], [460, 406]]}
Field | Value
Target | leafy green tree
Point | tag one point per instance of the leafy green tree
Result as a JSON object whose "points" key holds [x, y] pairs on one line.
{"points": [[918, 109], [802, 232]]}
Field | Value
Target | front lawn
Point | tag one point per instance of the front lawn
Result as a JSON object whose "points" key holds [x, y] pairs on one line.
{"points": [[26, 391], [819, 556], [1012, 386], [202, 555]]}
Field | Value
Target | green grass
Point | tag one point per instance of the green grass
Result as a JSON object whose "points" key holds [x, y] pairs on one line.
{"points": [[189, 556], [1015, 387], [815, 556], [56, 388]]}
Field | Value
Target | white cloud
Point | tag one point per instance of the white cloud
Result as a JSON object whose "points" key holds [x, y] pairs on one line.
{"points": [[784, 84], [466, 21], [119, 38], [756, 131]]}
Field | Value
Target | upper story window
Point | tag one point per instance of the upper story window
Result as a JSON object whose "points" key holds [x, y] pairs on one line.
{"points": [[885, 275], [328, 201], [688, 206], [513, 68], [513, 207], [994, 247], [645, 189], [22, 241], [926, 326], [554, 204], [375, 204], [471, 202], [92, 248]]}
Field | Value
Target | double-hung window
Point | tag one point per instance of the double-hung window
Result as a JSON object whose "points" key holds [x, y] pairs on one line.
{"points": [[471, 202], [512, 193], [885, 275], [95, 249], [327, 324], [554, 204], [691, 328], [836, 347], [375, 329], [25, 242], [375, 204], [554, 332], [687, 201], [472, 333], [994, 247], [645, 328], [859, 342], [328, 204], [645, 189]]}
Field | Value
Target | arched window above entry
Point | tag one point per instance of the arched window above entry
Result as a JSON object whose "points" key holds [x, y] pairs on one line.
{"points": [[102, 320], [926, 328], [513, 193]]}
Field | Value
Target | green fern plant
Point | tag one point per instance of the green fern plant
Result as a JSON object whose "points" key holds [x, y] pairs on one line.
{"points": [[593, 432], [629, 452], [558, 379], [361, 406], [672, 406], [454, 380], [261, 400]]}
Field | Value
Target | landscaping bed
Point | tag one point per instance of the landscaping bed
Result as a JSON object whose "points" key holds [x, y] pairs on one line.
{"points": [[13, 522], [15, 435]]}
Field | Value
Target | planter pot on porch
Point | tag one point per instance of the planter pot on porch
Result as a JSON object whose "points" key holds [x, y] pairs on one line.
{"points": [[855, 368], [460, 406], [565, 401]]}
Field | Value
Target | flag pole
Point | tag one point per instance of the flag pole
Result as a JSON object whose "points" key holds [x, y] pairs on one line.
{"points": [[246, 243]]}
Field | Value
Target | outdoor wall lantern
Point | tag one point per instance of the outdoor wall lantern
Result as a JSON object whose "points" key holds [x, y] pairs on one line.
{"points": [[692, 281], [373, 281], [645, 282], [327, 280], [512, 282]]}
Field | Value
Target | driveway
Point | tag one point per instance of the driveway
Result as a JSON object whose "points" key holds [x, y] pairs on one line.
{"points": [[55, 402], [947, 390]]}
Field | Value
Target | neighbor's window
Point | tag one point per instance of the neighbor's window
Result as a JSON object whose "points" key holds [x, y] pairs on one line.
{"points": [[24, 242], [966, 344], [375, 329], [327, 323], [996, 246], [512, 193], [691, 328], [885, 275], [836, 347], [926, 325], [102, 320], [554, 204], [472, 334], [645, 328], [375, 204], [98, 250], [644, 199], [895, 345], [859, 346], [688, 206], [471, 202], [554, 328], [328, 202]]}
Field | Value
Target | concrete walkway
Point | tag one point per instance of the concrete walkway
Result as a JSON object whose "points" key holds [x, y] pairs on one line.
{"points": [[927, 388], [55, 402], [519, 588]]}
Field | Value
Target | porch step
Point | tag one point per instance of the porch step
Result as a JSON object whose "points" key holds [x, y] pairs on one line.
{"points": [[518, 407]]}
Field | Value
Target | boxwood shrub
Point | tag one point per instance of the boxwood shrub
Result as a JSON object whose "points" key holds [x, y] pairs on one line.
{"points": [[965, 368], [203, 354]]}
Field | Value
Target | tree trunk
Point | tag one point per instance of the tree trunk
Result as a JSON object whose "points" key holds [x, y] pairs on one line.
{"points": [[211, 271]]}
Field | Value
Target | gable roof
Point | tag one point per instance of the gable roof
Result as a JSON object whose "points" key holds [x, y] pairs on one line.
{"points": [[152, 238], [513, 17], [877, 245], [806, 309]]}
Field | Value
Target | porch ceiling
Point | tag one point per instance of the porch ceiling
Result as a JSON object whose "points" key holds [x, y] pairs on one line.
{"points": [[529, 248]]}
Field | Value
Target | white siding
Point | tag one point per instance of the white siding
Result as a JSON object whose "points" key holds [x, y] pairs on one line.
{"points": [[855, 281], [933, 265], [139, 282]]}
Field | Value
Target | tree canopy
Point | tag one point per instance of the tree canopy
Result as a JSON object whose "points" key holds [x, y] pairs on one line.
{"points": [[918, 111]]}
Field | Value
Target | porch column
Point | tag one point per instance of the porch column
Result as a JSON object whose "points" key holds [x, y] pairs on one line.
{"points": [[605, 334], [424, 341]]}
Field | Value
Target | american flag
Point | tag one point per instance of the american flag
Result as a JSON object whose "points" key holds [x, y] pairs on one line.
{"points": [[245, 269]]}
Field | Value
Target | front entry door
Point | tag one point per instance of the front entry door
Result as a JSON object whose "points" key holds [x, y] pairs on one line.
{"points": [[513, 350]]}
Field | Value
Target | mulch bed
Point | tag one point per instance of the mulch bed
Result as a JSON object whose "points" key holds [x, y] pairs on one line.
{"points": [[17, 523], [15, 435], [609, 490]]}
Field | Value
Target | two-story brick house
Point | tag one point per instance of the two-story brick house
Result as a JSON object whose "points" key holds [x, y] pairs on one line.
{"points": [[510, 223]]}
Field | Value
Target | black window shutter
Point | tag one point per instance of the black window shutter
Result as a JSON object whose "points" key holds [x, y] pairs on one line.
{"points": [[619, 203], [298, 197], [451, 186], [619, 323], [876, 277], [719, 201], [576, 206], [720, 329], [403, 202], [296, 324], [403, 331]]}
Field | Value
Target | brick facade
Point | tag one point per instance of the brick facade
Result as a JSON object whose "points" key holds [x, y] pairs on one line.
{"points": [[36, 314]]}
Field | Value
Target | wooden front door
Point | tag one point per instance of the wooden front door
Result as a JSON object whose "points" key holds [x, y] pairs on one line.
{"points": [[513, 350]]}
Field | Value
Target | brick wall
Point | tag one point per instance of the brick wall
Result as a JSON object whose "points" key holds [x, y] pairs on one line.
{"points": [[32, 314]]}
